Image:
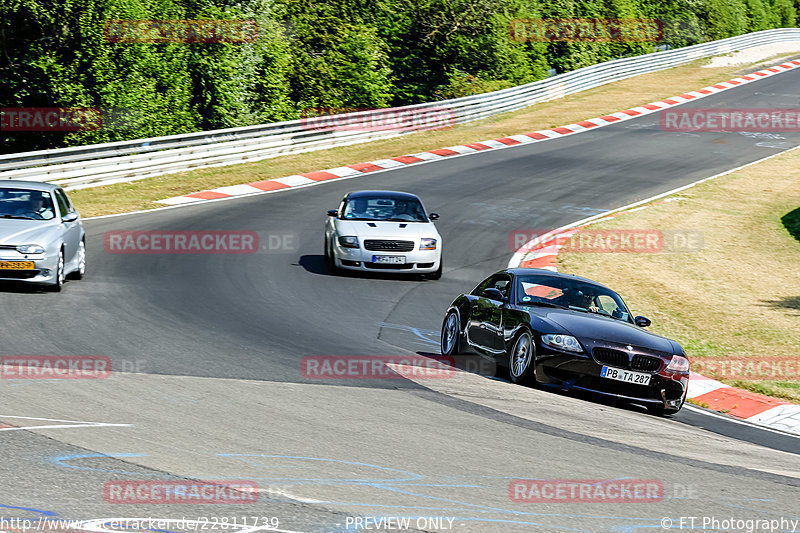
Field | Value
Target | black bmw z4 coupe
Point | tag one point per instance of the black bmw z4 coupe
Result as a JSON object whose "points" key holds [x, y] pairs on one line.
{"points": [[567, 332]]}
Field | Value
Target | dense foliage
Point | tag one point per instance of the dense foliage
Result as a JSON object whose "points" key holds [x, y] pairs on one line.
{"points": [[339, 53]]}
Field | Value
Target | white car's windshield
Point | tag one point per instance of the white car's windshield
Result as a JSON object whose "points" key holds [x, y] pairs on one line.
{"points": [[402, 209], [26, 204]]}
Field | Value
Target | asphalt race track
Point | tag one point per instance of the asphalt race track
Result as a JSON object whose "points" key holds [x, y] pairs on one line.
{"points": [[213, 344]]}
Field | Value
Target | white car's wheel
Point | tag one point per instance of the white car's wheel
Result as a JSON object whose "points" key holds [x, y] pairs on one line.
{"points": [[330, 259]]}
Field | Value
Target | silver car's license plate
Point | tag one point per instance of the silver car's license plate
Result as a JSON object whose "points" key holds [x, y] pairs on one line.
{"points": [[390, 259], [637, 378]]}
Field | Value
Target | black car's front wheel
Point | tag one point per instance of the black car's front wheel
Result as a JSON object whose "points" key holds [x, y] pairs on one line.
{"points": [[451, 335], [521, 359]]}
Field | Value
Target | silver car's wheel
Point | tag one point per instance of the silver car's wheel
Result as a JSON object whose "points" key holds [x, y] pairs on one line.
{"points": [[78, 274], [59, 281], [521, 359], [451, 336]]}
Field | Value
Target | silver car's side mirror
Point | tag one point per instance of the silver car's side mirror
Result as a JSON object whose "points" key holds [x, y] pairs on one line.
{"points": [[70, 217]]}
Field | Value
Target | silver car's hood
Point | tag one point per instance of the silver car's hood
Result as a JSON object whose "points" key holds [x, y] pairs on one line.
{"points": [[16, 232]]}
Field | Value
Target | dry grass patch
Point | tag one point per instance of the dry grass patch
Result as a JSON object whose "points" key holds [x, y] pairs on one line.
{"points": [[740, 294]]}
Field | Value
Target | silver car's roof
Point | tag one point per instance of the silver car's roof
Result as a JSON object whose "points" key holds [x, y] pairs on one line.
{"points": [[32, 185]]}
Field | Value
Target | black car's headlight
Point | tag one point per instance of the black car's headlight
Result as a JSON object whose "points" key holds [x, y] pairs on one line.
{"points": [[678, 363], [30, 249], [348, 241], [563, 342]]}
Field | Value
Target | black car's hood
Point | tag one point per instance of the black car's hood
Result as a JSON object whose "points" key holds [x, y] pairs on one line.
{"points": [[589, 328]]}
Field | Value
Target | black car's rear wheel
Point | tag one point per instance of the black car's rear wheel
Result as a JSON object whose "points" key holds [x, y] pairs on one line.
{"points": [[451, 335], [521, 359]]}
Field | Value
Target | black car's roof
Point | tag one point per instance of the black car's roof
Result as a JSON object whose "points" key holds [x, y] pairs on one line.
{"points": [[541, 272], [385, 194]]}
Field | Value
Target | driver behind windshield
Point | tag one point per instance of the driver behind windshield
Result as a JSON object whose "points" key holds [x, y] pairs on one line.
{"points": [[356, 208], [38, 208], [574, 297], [407, 211]]}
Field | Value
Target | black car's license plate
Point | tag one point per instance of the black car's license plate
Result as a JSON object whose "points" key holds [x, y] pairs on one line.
{"points": [[637, 378]]}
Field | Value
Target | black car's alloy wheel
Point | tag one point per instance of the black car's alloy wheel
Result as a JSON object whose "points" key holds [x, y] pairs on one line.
{"points": [[451, 336], [521, 359]]}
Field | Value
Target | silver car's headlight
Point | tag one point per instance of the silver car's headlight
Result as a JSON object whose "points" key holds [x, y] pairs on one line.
{"points": [[563, 342], [427, 244], [348, 241], [30, 249]]}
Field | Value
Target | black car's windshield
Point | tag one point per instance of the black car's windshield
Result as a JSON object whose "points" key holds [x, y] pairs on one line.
{"points": [[26, 204], [543, 289], [388, 208]]}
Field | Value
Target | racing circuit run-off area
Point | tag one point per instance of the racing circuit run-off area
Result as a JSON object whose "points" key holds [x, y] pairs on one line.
{"points": [[441, 266]]}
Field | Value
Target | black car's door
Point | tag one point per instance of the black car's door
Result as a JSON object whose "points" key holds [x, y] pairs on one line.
{"points": [[486, 316]]}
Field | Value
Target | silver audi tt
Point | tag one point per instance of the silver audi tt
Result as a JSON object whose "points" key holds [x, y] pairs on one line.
{"points": [[41, 236]]}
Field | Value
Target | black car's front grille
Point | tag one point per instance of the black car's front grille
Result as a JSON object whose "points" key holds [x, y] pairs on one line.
{"points": [[610, 357], [645, 363], [388, 246]]}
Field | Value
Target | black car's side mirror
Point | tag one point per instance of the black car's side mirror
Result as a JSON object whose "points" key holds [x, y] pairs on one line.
{"points": [[70, 217], [494, 294], [333, 213], [642, 321], [434, 216]]}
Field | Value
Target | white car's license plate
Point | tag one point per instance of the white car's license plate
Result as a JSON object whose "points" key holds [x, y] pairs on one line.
{"points": [[391, 259], [637, 378]]}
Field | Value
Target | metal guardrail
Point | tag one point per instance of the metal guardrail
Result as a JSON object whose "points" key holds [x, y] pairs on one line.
{"points": [[102, 164]]}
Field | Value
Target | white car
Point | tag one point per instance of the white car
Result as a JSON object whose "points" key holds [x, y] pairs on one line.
{"points": [[383, 231]]}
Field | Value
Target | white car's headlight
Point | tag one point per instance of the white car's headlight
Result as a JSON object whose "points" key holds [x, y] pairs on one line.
{"points": [[563, 342], [30, 249], [348, 241], [427, 244]]}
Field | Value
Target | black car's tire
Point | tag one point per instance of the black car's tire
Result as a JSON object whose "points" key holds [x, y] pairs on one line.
{"points": [[59, 283], [81, 272], [522, 359], [450, 340], [660, 410]]}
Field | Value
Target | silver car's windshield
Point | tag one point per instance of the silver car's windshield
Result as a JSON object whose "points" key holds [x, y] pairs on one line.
{"points": [[26, 204], [384, 208]]}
